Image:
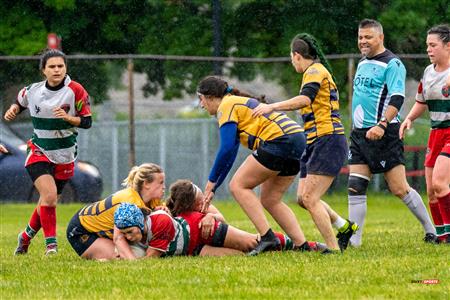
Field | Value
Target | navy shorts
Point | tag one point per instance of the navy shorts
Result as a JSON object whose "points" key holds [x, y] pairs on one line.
{"points": [[282, 154], [380, 155], [79, 238], [325, 156]]}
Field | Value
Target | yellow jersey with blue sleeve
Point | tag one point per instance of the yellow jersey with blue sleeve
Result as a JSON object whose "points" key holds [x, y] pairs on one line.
{"points": [[98, 217], [252, 131], [322, 116]]}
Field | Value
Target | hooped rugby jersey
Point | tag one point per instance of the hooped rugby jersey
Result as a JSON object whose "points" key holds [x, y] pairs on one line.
{"points": [[376, 80], [166, 234], [252, 131], [54, 136], [433, 91], [322, 116], [98, 217]]}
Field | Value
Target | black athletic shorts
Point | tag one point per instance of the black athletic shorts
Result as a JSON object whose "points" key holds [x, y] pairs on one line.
{"points": [[79, 238], [380, 155], [40, 168], [218, 238]]}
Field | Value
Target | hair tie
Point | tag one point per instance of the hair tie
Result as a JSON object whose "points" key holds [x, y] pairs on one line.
{"points": [[229, 89]]}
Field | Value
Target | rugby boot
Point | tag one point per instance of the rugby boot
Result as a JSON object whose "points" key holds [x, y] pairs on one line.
{"points": [[431, 238], [22, 247], [344, 237]]}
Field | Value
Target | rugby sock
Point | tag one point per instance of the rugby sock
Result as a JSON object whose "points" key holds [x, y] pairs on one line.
{"points": [[416, 206], [33, 227], [437, 218], [285, 241], [357, 209], [48, 221], [340, 224], [444, 207]]}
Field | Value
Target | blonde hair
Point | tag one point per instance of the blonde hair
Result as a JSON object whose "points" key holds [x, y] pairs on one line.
{"points": [[140, 174]]}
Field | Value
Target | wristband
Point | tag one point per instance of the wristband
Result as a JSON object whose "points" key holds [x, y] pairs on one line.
{"points": [[381, 126]]}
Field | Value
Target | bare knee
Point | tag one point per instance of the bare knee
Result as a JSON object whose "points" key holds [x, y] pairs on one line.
{"points": [[439, 187], [234, 187], [308, 201], [300, 201], [399, 192], [48, 198]]}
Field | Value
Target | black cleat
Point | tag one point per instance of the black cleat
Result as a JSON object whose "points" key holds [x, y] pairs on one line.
{"points": [[431, 238], [264, 246], [328, 251], [344, 237]]}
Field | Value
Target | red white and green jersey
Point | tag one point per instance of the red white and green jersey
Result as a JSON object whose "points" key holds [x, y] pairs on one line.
{"points": [[54, 136], [166, 234], [434, 91]]}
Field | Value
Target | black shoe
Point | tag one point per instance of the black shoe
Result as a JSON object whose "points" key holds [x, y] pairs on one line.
{"points": [[329, 251], [431, 238], [344, 237], [264, 246]]}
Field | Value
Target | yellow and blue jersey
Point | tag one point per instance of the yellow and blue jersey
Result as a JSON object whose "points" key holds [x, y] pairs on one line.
{"points": [[252, 131], [98, 217], [322, 116]]}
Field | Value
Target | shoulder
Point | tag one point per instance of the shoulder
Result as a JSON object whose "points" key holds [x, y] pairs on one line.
{"points": [[76, 87]]}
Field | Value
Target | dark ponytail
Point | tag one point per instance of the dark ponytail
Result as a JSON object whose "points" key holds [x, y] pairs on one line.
{"points": [[308, 47], [217, 87]]}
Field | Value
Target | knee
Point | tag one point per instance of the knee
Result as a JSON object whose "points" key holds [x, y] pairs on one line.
{"points": [[307, 200], [48, 198], [234, 187], [300, 201], [357, 185], [400, 191], [438, 186]]}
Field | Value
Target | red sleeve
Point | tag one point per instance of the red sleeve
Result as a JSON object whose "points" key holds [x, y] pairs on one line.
{"points": [[82, 104], [163, 232]]}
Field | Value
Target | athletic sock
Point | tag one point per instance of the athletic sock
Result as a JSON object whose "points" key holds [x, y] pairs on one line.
{"points": [[357, 209], [341, 224], [416, 206], [48, 221], [285, 241], [444, 207], [437, 219], [32, 228]]}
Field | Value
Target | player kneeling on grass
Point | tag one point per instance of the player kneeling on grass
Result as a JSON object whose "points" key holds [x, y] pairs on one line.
{"points": [[91, 231]]}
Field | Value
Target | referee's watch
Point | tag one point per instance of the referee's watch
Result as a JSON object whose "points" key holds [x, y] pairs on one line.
{"points": [[383, 121]]}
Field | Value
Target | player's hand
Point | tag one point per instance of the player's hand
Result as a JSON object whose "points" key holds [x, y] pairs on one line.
{"points": [[61, 113], [3, 149], [209, 195], [164, 208], [207, 226], [262, 109], [406, 125], [12, 112], [375, 133]]}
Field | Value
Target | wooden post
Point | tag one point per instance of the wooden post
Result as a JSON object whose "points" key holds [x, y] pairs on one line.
{"points": [[131, 127]]}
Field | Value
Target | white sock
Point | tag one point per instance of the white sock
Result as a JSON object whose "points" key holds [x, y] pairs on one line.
{"points": [[357, 209], [339, 223], [416, 206]]}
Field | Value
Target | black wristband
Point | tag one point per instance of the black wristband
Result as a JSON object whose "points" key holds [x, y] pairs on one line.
{"points": [[381, 126]]}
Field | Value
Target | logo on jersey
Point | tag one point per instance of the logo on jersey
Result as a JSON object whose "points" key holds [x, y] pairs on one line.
{"points": [[79, 105], [37, 109], [445, 91], [383, 163], [349, 155], [37, 152], [84, 238], [65, 107]]}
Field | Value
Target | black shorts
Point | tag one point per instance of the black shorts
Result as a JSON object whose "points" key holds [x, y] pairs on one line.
{"points": [[285, 166], [40, 168], [218, 238], [380, 155], [325, 156], [79, 238]]}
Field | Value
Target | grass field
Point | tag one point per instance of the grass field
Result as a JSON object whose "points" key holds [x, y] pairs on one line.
{"points": [[388, 265]]}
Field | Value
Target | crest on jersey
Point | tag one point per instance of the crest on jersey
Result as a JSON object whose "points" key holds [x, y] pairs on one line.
{"points": [[37, 109], [65, 107], [445, 91]]}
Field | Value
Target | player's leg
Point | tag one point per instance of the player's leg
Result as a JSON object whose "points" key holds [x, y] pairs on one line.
{"points": [[218, 251], [396, 179], [441, 180], [315, 187], [272, 191], [249, 175], [434, 205], [358, 181]]}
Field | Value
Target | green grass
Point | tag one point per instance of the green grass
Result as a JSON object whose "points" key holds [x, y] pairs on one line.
{"points": [[391, 257]]}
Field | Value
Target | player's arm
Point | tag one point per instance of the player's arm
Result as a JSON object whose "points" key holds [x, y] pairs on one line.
{"points": [[84, 122], [306, 97], [122, 246], [153, 253], [216, 213]]}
